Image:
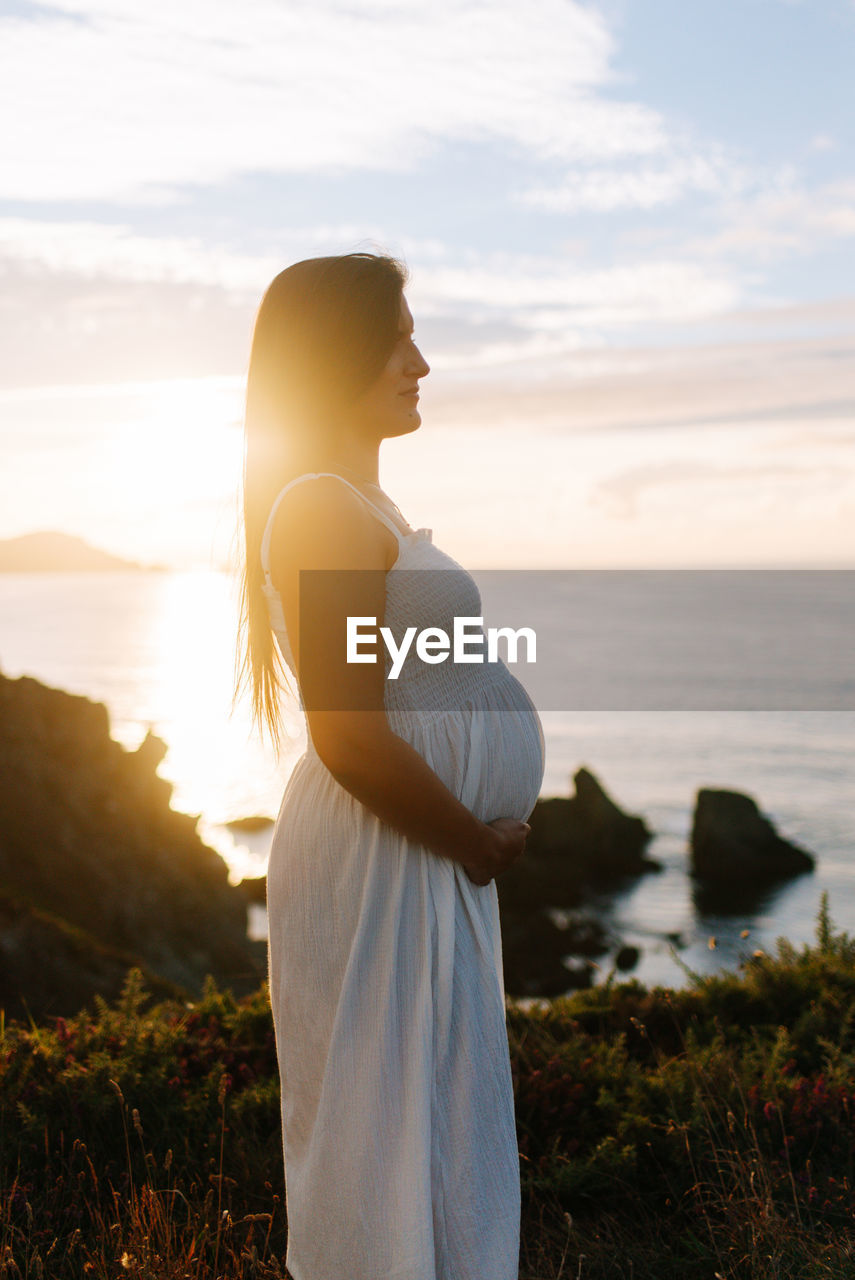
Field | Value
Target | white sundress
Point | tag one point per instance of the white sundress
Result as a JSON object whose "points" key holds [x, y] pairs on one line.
{"points": [[401, 1159]]}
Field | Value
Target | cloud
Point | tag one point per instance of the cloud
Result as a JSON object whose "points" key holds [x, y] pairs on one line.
{"points": [[604, 189], [783, 220], [708, 386], [716, 485], [523, 316], [111, 302], [90, 249], [58, 328], [545, 293], [91, 302], [142, 97]]}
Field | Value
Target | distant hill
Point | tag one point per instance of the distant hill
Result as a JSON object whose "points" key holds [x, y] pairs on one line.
{"points": [[57, 553]]}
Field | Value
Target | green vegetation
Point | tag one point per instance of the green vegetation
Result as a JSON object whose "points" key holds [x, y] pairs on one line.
{"points": [[705, 1132]]}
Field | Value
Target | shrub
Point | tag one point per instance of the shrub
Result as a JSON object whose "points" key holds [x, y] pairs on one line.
{"points": [[662, 1133]]}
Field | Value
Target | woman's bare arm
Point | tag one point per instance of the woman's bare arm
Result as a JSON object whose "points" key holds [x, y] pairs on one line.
{"points": [[321, 526]]}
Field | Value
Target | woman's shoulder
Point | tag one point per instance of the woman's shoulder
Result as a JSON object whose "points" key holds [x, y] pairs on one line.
{"points": [[320, 520], [316, 486], [316, 495]]}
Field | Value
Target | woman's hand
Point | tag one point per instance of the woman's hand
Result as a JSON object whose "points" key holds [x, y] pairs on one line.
{"points": [[504, 842]]}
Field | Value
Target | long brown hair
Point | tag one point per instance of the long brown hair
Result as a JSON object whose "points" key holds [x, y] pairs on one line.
{"points": [[324, 331]]}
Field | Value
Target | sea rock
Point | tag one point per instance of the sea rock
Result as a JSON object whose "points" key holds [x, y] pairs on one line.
{"points": [[733, 844], [534, 970], [627, 958], [587, 839], [575, 844], [87, 839], [254, 889], [251, 825], [540, 956]]}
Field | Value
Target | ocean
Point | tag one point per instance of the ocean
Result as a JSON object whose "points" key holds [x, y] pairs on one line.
{"points": [[159, 650]]}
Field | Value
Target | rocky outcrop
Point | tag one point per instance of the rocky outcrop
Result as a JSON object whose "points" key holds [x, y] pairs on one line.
{"points": [[543, 958], [88, 840], [47, 966], [251, 825], [734, 845], [254, 889], [591, 833], [575, 844]]}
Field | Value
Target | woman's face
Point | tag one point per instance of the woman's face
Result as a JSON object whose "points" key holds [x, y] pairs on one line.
{"points": [[389, 407]]}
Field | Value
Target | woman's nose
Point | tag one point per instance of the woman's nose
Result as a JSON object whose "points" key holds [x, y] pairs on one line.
{"points": [[421, 368]]}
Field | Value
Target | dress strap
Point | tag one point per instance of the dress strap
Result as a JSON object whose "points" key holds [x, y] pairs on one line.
{"points": [[313, 475]]}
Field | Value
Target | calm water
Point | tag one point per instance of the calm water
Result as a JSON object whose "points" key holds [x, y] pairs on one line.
{"points": [[158, 649]]}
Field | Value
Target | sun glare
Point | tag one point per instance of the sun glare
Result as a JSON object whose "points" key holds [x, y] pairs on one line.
{"points": [[167, 478], [193, 639]]}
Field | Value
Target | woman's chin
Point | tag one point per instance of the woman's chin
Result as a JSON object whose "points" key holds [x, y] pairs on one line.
{"points": [[411, 421]]}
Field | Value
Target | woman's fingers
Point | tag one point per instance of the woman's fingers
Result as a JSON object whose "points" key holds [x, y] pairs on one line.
{"points": [[506, 846]]}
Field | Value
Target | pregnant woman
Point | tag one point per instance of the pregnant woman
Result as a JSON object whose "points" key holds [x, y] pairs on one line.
{"points": [[400, 1148]]}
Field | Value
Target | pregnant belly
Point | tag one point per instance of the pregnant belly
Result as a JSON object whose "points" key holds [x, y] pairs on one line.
{"points": [[489, 752], [513, 760]]}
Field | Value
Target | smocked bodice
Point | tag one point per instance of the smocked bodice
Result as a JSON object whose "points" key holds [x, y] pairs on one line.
{"points": [[425, 588]]}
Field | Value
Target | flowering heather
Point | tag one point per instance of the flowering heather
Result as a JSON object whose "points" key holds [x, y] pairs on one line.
{"points": [[663, 1133]]}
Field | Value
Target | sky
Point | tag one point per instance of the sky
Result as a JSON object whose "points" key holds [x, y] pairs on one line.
{"points": [[629, 226]]}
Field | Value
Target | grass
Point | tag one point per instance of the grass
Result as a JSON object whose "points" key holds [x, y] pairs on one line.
{"points": [[703, 1132]]}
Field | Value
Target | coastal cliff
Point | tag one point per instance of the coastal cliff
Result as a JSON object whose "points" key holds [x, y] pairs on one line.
{"points": [[97, 872]]}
